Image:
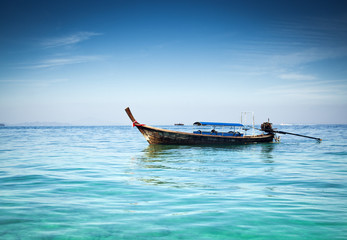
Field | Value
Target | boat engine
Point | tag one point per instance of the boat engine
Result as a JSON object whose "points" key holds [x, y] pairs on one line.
{"points": [[267, 127]]}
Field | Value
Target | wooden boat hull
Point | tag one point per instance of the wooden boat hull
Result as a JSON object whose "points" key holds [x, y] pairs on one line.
{"points": [[155, 135]]}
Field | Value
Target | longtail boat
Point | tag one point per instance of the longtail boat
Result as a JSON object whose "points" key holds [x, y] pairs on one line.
{"points": [[155, 135]]}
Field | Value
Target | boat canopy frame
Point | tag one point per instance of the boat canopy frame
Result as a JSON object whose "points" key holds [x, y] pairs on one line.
{"points": [[222, 125], [244, 119], [218, 124]]}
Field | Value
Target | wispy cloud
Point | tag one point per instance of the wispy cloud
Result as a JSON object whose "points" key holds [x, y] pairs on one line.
{"points": [[311, 31], [286, 65], [295, 76], [57, 62], [308, 56], [68, 40], [317, 90], [33, 82]]}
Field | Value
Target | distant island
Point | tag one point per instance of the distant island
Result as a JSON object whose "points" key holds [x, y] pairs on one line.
{"points": [[2, 125], [179, 124]]}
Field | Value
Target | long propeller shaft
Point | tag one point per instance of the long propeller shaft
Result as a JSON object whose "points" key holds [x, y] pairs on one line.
{"points": [[281, 132]]}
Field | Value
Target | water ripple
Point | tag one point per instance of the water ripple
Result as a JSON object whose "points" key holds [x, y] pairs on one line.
{"points": [[107, 183]]}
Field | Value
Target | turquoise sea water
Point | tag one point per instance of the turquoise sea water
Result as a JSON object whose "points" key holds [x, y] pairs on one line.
{"points": [[108, 183]]}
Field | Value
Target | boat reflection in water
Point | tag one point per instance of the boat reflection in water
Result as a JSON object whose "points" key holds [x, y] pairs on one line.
{"points": [[196, 166]]}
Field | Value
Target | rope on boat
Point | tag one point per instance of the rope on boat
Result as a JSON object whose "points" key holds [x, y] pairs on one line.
{"points": [[135, 123]]}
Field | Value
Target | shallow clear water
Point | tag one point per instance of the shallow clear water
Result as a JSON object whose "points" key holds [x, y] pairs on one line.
{"points": [[108, 183]]}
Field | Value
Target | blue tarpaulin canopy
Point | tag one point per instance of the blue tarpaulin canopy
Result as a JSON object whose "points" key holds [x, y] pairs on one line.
{"points": [[218, 124]]}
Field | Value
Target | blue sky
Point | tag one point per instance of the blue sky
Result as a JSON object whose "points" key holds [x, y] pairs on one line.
{"points": [[83, 62]]}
